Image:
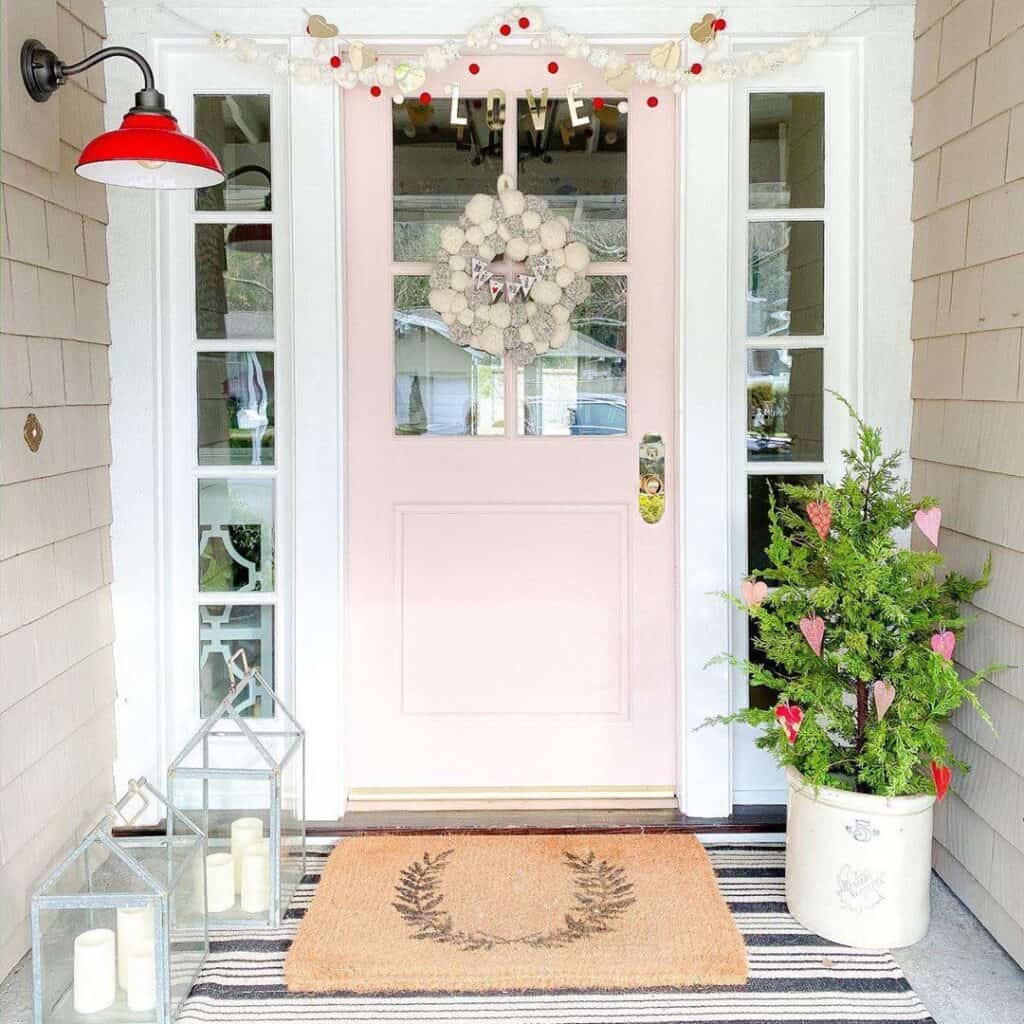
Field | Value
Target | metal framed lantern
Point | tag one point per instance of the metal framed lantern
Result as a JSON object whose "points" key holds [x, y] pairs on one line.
{"points": [[119, 927], [246, 787]]}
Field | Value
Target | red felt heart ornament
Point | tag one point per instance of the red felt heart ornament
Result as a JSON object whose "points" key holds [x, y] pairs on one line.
{"points": [[820, 515], [928, 522], [943, 643], [790, 717], [885, 694], [753, 593], [813, 630], [941, 776]]}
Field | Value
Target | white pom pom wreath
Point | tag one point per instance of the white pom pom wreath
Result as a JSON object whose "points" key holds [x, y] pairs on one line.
{"points": [[521, 229]]}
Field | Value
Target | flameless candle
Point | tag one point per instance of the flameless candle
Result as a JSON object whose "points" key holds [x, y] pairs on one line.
{"points": [[134, 925], [244, 832], [220, 882], [95, 985], [138, 964], [256, 877]]}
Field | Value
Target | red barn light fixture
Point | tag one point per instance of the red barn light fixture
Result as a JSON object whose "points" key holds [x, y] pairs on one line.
{"points": [[149, 150]]}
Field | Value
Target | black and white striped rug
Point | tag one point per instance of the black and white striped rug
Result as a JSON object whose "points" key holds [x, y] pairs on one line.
{"points": [[795, 977]]}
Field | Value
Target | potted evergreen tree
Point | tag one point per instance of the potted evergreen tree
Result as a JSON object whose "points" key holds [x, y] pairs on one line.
{"points": [[856, 635]]}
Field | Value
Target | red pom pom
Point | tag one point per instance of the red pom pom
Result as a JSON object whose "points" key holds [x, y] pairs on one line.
{"points": [[474, 68], [598, 103], [719, 25], [524, 22], [425, 98], [335, 61], [652, 101], [374, 90], [553, 67], [505, 30], [696, 68]]}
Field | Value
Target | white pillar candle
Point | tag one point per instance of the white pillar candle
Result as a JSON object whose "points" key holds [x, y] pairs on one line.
{"points": [[95, 984], [134, 925], [220, 882], [244, 832], [256, 877], [139, 964]]}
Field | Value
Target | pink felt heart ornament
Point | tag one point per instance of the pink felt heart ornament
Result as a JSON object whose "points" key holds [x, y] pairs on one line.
{"points": [[928, 521], [885, 694], [813, 630], [753, 593], [943, 643], [941, 776], [790, 718], [820, 515]]}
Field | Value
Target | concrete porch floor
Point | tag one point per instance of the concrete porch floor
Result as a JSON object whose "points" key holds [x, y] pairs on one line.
{"points": [[959, 971]]}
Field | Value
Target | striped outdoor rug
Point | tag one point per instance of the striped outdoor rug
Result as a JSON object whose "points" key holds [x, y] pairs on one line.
{"points": [[795, 977]]}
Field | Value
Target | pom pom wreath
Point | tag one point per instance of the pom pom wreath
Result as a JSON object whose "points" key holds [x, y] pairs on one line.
{"points": [[577, 257], [512, 202], [552, 235], [452, 239], [478, 209]]}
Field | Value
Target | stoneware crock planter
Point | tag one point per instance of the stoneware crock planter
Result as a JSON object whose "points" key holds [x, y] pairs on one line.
{"points": [[857, 865]]}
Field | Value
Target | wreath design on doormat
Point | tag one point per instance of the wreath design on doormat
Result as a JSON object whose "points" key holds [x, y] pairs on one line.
{"points": [[603, 893], [522, 315]]}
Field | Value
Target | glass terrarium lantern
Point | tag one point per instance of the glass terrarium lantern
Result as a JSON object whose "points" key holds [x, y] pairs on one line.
{"points": [[119, 927], [245, 786]]}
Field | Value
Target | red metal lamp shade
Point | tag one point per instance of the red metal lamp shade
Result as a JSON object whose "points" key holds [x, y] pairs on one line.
{"points": [[148, 150], [250, 238]]}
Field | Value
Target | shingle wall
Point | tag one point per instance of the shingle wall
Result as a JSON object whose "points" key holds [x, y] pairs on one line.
{"points": [[56, 668], [968, 390]]}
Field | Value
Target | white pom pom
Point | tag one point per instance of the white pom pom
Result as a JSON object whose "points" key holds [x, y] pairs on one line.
{"points": [[513, 202], [466, 317], [546, 293], [564, 277], [448, 318], [531, 220], [531, 309], [536, 249], [457, 263], [503, 232], [560, 337], [577, 256], [441, 299], [552, 234], [474, 235], [452, 239], [487, 252], [540, 347], [501, 315], [559, 312], [557, 257], [527, 335], [492, 341], [459, 302], [489, 226], [460, 280], [480, 208], [517, 250]]}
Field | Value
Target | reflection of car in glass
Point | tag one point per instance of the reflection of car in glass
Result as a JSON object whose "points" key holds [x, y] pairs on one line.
{"points": [[598, 414], [763, 445]]}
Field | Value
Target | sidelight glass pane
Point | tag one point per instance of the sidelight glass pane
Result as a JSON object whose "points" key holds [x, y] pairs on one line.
{"points": [[785, 393], [581, 170], [223, 629], [438, 166], [237, 129], [786, 278], [787, 150], [234, 281], [441, 387], [758, 490], [580, 389], [235, 399], [761, 696], [236, 534]]}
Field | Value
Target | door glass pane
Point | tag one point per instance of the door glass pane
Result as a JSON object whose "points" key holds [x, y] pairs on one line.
{"points": [[438, 166], [761, 696], [580, 389], [234, 281], [222, 630], [580, 171], [784, 404], [787, 150], [236, 534], [235, 398], [758, 536], [441, 387], [786, 283], [237, 129]]}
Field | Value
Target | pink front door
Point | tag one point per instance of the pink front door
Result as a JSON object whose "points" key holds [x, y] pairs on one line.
{"points": [[511, 615]]}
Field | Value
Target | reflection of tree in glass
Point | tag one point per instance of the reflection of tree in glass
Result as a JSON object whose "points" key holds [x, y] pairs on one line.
{"points": [[417, 422], [603, 315]]}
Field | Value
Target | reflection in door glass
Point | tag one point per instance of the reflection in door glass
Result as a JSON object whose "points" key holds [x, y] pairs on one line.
{"points": [[438, 166], [441, 387], [580, 170], [759, 492], [223, 629], [235, 400], [785, 397], [786, 268], [237, 129], [787, 150], [234, 281], [580, 389]]}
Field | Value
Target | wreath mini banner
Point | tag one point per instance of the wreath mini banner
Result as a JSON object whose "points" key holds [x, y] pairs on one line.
{"points": [[677, 62], [521, 315]]}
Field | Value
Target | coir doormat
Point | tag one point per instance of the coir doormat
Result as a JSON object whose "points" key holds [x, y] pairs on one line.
{"points": [[516, 913]]}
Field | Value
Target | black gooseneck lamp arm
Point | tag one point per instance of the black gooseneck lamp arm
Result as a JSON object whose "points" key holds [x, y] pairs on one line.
{"points": [[43, 73]]}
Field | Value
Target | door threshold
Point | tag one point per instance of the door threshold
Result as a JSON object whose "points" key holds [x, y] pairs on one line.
{"points": [[511, 798], [745, 819]]}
